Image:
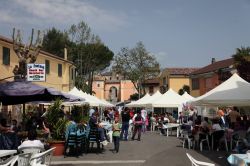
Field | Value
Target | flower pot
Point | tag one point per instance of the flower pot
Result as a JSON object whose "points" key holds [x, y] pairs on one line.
{"points": [[59, 145]]}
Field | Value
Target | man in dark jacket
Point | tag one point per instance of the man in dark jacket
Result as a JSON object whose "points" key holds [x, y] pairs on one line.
{"points": [[125, 124]]}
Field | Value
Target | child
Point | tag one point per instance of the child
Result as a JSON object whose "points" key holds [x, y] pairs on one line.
{"points": [[116, 133]]}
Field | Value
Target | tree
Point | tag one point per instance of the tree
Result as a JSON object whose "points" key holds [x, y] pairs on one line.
{"points": [[137, 65], [184, 89], [26, 52], [55, 41], [242, 62], [90, 54], [85, 49]]}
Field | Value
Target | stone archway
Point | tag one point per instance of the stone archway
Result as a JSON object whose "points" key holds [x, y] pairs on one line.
{"points": [[113, 94]]}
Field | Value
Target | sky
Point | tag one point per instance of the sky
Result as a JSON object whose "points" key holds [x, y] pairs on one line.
{"points": [[179, 33]]}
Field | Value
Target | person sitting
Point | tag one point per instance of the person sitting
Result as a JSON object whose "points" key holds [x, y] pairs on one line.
{"points": [[94, 123], [218, 133], [32, 141]]}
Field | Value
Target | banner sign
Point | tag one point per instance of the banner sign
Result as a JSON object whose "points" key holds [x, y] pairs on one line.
{"points": [[36, 72]]}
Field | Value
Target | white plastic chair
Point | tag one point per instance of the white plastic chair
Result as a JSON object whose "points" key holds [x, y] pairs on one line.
{"points": [[204, 140], [10, 161], [198, 163], [42, 159], [31, 149], [24, 159]]}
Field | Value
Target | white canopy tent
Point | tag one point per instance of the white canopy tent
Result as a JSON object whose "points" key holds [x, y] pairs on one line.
{"points": [[88, 99], [148, 101], [95, 99], [233, 92], [138, 102], [187, 97], [168, 99]]}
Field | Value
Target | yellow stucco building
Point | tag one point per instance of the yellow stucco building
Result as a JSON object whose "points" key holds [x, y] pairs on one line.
{"points": [[60, 73], [174, 78]]}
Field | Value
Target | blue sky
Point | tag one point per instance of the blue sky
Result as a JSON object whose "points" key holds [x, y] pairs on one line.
{"points": [[180, 33]]}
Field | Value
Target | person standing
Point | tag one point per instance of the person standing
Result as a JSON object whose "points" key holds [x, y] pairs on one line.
{"points": [[138, 121], [125, 124], [116, 134], [233, 115]]}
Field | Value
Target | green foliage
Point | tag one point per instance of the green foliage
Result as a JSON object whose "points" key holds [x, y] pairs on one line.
{"points": [[80, 113], [242, 62], [55, 41], [56, 124], [136, 64], [134, 96], [184, 89], [85, 49], [181, 92]]}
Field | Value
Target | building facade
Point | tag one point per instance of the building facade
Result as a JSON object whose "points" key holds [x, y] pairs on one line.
{"points": [[174, 78], [60, 73], [113, 87], [210, 76]]}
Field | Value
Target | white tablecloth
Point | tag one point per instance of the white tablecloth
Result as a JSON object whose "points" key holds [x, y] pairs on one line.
{"points": [[237, 159], [170, 126]]}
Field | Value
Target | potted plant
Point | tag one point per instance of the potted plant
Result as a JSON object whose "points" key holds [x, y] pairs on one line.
{"points": [[56, 123]]}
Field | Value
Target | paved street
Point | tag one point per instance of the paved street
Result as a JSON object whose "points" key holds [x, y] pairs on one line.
{"points": [[154, 149]]}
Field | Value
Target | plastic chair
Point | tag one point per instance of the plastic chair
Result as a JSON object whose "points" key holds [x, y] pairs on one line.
{"points": [[31, 149], [24, 159], [198, 163], [206, 140], [43, 158], [10, 161], [93, 137]]}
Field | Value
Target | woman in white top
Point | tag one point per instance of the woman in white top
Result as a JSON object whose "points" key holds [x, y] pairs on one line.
{"points": [[32, 141]]}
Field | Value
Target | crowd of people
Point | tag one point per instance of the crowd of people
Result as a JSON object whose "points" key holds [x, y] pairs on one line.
{"points": [[225, 125], [128, 123]]}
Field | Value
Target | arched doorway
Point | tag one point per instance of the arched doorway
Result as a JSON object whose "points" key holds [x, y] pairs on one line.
{"points": [[113, 94]]}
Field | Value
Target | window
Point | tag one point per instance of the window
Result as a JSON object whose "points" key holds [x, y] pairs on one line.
{"points": [[195, 84], [47, 66], [59, 70], [6, 56], [151, 89], [164, 81], [72, 74]]}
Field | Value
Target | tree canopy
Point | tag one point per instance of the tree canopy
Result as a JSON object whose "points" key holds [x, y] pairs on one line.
{"points": [[85, 49], [242, 62], [136, 64], [55, 41]]}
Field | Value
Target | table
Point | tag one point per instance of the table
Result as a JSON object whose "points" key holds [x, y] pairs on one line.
{"points": [[170, 126], [106, 125], [4, 153], [238, 159]]}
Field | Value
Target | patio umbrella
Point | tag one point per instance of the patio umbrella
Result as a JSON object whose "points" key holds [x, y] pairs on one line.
{"points": [[19, 92]]}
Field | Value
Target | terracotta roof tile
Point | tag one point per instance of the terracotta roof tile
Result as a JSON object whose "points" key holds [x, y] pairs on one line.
{"points": [[215, 66], [181, 71]]}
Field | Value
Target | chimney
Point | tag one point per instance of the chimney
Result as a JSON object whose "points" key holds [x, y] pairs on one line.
{"points": [[65, 53], [213, 60]]}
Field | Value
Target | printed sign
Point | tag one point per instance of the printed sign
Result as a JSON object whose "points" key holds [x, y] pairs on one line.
{"points": [[36, 72]]}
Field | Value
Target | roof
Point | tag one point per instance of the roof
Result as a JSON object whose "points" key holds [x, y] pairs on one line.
{"points": [[151, 81], [215, 66], [180, 71], [5, 39]]}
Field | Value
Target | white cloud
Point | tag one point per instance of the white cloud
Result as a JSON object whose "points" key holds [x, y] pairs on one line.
{"points": [[161, 58], [60, 12]]}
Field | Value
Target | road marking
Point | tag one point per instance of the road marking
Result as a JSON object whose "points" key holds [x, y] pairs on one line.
{"points": [[98, 162]]}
